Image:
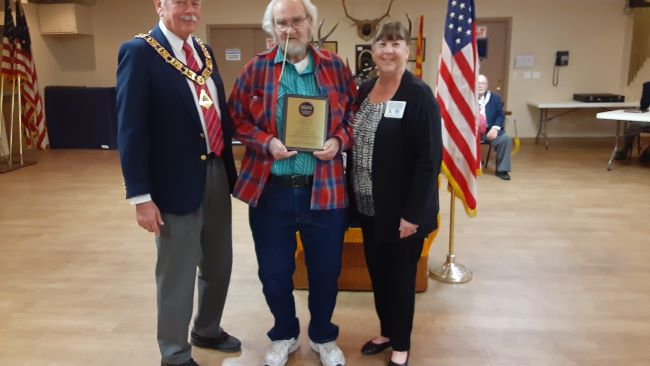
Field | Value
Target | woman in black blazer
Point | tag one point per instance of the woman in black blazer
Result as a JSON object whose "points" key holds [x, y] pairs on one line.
{"points": [[395, 163]]}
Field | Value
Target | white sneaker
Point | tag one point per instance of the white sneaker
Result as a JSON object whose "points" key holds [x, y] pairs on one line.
{"points": [[279, 352], [330, 353]]}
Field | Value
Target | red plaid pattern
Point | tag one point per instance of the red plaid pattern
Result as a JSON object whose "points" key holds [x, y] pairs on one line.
{"points": [[252, 106]]}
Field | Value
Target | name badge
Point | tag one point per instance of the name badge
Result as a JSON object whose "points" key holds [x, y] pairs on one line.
{"points": [[395, 109]]}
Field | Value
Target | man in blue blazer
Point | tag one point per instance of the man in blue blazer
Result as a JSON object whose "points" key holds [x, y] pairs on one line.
{"points": [[174, 137], [492, 127]]}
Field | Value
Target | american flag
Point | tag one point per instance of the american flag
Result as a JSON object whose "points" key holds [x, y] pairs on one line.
{"points": [[456, 96], [8, 39], [32, 104]]}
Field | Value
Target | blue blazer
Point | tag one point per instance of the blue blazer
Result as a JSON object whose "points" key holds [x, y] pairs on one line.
{"points": [[160, 137], [494, 113]]}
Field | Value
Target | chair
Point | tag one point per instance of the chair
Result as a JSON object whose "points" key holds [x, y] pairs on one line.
{"points": [[517, 143], [639, 147]]}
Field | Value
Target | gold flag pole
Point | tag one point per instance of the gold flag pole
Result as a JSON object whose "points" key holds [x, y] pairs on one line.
{"points": [[11, 124], [35, 132], [2, 99], [20, 123], [450, 271]]}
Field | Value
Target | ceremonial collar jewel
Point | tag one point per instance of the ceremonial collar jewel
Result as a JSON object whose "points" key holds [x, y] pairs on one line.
{"points": [[175, 63]]}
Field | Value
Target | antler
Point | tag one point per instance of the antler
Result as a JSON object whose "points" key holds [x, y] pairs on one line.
{"points": [[410, 24], [367, 28], [387, 12], [355, 20], [323, 39]]}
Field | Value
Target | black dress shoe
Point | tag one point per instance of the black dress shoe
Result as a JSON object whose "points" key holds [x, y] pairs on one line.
{"points": [[391, 363], [372, 348], [224, 342], [503, 175], [406, 363], [188, 363]]}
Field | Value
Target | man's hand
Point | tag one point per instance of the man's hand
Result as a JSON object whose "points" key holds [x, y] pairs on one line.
{"points": [[148, 216], [330, 149], [406, 229], [492, 134], [279, 151]]}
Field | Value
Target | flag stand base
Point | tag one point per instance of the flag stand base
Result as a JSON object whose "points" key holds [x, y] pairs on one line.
{"points": [[16, 163], [451, 272]]}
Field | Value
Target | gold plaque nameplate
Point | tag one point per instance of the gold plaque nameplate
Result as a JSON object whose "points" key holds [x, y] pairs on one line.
{"points": [[305, 122]]}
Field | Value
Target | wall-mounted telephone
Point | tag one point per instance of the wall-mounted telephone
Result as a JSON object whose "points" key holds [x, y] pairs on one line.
{"points": [[561, 59]]}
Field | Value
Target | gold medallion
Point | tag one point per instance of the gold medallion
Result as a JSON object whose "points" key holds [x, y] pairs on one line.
{"points": [[204, 99]]}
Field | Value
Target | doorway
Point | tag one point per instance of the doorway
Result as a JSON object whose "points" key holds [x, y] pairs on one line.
{"points": [[234, 46], [495, 63]]}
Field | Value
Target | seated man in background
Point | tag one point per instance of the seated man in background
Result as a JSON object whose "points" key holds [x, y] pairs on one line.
{"points": [[491, 127], [634, 128]]}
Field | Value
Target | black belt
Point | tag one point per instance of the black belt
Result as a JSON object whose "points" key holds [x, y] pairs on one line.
{"points": [[292, 181]]}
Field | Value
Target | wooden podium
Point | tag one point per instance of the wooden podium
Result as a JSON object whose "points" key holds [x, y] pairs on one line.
{"points": [[354, 273]]}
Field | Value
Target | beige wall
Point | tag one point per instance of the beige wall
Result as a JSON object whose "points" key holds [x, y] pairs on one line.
{"points": [[596, 32]]}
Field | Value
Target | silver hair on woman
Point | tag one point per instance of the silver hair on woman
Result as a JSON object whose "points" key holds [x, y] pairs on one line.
{"points": [[267, 21]]}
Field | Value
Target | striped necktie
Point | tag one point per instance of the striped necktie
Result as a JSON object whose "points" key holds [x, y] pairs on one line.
{"points": [[212, 121]]}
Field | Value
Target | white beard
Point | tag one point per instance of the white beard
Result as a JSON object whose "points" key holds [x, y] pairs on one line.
{"points": [[294, 49]]}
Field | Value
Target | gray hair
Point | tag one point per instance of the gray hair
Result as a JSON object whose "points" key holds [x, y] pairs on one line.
{"points": [[168, 2], [267, 21]]}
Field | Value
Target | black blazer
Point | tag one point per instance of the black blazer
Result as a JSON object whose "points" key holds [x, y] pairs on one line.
{"points": [[160, 136], [406, 161]]}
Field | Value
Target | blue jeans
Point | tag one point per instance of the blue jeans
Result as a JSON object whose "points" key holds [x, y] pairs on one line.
{"points": [[281, 211]]}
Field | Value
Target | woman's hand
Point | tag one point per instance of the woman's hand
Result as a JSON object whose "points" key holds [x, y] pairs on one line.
{"points": [[406, 229]]}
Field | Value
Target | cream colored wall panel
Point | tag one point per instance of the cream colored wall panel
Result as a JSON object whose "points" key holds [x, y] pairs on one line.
{"points": [[65, 19], [594, 31]]}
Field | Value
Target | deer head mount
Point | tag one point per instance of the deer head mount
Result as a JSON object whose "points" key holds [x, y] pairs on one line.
{"points": [[322, 39], [367, 28]]}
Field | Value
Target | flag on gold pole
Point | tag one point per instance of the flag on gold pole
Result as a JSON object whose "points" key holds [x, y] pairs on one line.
{"points": [[32, 103], [7, 71], [8, 38], [456, 96]]}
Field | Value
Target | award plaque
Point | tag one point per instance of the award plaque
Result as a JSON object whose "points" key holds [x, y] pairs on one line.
{"points": [[305, 122]]}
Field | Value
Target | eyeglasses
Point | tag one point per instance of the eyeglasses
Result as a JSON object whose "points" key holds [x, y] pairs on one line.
{"points": [[284, 25], [186, 3]]}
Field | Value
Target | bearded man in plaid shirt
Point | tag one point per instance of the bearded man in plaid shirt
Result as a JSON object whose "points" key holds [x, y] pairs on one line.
{"points": [[289, 191]]}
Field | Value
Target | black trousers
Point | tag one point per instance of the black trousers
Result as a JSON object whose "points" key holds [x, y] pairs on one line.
{"points": [[392, 266]]}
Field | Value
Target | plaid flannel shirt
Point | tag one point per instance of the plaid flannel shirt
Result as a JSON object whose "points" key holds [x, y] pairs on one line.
{"points": [[252, 105]]}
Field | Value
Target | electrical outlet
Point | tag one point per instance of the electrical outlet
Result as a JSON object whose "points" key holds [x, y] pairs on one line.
{"points": [[526, 75], [537, 74]]}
